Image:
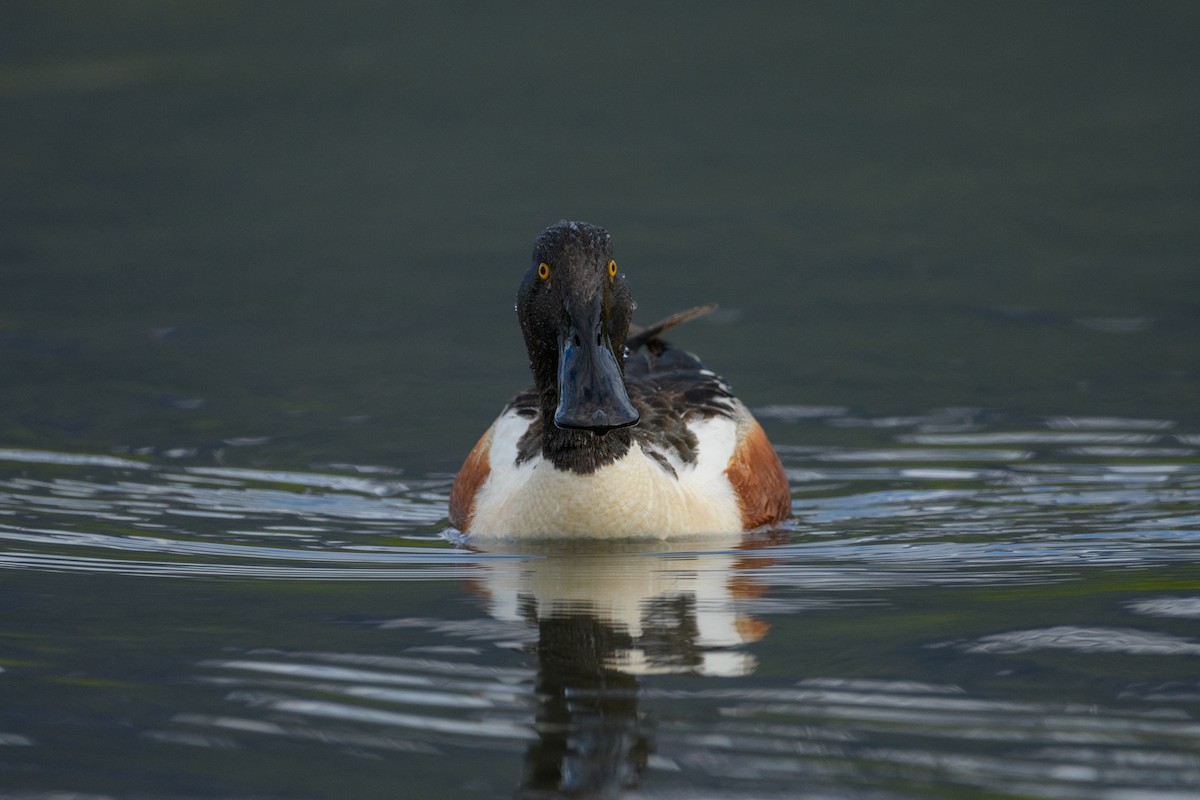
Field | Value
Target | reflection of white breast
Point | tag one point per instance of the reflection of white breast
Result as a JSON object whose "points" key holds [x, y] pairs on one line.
{"points": [[638, 592], [634, 496]]}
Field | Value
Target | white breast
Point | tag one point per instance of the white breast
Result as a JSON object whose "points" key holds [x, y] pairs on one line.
{"points": [[632, 497]]}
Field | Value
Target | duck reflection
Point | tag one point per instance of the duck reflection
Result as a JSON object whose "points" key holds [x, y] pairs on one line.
{"points": [[606, 614]]}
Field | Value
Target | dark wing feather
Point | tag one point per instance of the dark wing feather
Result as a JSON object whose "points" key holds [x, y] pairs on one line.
{"points": [[669, 387], [648, 336]]}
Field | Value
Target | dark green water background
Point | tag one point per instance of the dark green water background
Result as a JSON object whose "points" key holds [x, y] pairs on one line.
{"points": [[302, 214]]}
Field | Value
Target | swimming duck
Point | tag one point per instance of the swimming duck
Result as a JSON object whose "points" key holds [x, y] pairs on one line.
{"points": [[622, 435]]}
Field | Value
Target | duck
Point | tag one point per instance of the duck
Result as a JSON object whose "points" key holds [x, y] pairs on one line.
{"points": [[622, 435]]}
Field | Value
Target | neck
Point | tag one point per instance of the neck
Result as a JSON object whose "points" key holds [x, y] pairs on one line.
{"points": [[578, 451]]}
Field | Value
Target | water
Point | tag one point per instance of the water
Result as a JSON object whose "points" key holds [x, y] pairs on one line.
{"points": [[257, 267], [961, 606]]}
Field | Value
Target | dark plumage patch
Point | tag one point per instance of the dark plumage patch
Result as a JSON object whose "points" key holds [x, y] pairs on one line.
{"points": [[579, 451], [668, 386], [672, 388]]}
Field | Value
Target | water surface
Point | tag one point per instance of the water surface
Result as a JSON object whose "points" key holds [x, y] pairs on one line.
{"points": [[960, 605]]}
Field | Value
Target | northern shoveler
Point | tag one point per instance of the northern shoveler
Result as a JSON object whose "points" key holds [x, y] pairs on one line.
{"points": [[622, 435]]}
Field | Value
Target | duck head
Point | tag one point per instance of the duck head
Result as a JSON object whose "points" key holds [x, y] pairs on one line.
{"points": [[575, 308]]}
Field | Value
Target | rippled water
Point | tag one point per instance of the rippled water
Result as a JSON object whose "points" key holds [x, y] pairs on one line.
{"points": [[963, 605]]}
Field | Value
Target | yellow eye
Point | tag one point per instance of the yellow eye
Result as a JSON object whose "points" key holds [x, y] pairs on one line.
{"points": [[544, 271], [612, 268]]}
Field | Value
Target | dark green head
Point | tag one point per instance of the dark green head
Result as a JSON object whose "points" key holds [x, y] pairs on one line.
{"points": [[575, 309]]}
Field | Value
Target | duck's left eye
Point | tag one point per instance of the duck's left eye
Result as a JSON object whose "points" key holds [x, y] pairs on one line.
{"points": [[612, 268], [544, 271]]}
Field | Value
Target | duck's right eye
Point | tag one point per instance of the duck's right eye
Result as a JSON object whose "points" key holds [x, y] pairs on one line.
{"points": [[544, 271]]}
